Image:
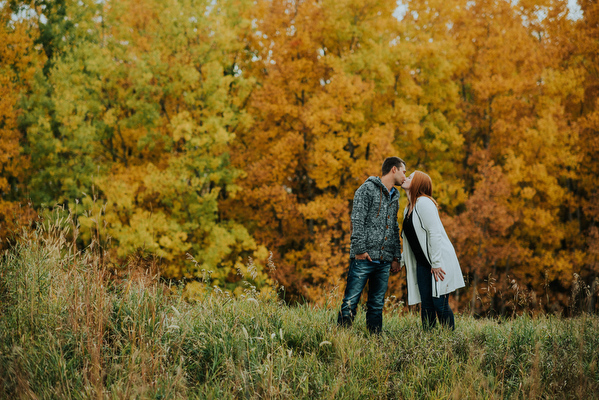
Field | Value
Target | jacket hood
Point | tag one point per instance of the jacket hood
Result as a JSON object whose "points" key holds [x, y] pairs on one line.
{"points": [[379, 184], [376, 180]]}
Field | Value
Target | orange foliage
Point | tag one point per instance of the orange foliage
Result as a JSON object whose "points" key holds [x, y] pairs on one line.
{"points": [[18, 63], [232, 129]]}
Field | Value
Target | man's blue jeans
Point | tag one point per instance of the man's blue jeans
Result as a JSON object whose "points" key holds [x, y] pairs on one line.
{"points": [[377, 276], [432, 307]]}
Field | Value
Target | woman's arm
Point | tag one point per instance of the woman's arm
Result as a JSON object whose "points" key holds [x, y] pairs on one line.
{"points": [[431, 223]]}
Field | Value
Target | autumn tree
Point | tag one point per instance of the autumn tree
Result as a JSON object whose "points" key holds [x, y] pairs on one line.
{"points": [[577, 49], [342, 87], [515, 123], [141, 110], [19, 60], [221, 131]]}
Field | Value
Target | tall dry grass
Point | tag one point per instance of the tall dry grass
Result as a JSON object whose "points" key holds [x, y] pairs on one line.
{"points": [[70, 329]]}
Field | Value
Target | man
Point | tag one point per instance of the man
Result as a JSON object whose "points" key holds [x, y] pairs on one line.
{"points": [[375, 248]]}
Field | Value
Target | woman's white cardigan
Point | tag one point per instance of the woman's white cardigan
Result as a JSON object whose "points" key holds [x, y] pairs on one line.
{"points": [[437, 248]]}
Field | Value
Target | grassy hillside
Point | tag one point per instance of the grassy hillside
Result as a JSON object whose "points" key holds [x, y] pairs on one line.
{"points": [[68, 330]]}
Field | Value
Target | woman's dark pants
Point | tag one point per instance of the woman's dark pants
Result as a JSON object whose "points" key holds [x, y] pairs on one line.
{"points": [[432, 307], [377, 276]]}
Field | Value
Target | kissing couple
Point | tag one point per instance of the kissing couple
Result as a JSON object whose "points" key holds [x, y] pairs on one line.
{"points": [[432, 267]]}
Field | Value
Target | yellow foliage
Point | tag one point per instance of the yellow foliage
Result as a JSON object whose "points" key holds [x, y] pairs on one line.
{"points": [[209, 136]]}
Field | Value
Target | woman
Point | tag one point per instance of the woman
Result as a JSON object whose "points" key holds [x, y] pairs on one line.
{"points": [[433, 270]]}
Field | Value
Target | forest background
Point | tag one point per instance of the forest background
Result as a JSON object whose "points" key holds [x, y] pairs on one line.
{"points": [[224, 138]]}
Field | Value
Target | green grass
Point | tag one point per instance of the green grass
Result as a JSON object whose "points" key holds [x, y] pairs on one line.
{"points": [[68, 331]]}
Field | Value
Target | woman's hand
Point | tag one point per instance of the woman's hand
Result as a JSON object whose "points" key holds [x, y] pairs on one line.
{"points": [[438, 273]]}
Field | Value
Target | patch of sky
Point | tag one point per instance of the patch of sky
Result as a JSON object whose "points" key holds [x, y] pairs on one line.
{"points": [[269, 57], [25, 12], [209, 8], [400, 11], [291, 30], [237, 71], [575, 12]]}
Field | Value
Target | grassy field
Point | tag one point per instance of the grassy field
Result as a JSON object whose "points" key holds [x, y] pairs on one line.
{"points": [[67, 330]]}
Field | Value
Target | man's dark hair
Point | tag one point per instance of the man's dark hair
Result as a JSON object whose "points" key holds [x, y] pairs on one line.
{"points": [[391, 162]]}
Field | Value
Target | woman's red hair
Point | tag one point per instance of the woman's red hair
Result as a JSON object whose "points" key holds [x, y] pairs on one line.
{"points": [[422, 185]]}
